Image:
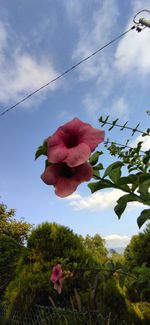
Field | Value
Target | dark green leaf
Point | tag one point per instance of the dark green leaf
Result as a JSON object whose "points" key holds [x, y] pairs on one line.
{"points": [[42, 150], [98, 167], [144, 190], [144, 216], [122, 203], [110, 265], [143, 177], [115, 174], [117, 164], [144, 185], [47, 163], [122, 279], [96, 173], [131, 179], [103, 121], [102, 184], [94, 158]]}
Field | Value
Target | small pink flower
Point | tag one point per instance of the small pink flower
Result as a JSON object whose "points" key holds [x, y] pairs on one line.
{"points": [[66, 179], [57, 277], [58, 286], [57, 273], [73, 143]]}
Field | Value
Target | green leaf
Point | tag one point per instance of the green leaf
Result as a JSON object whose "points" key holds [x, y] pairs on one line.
{"points": [[144, 216], [98, 167], [127, 179], [122, 203], [122, 278], [110, 168], [113, 124], [42, 150], [94, 158], [47, 163], [131, 179], [144, 185], [96, 174], [115, 174], [110, 265], [101, 120], [102, 184], [143, 177]]}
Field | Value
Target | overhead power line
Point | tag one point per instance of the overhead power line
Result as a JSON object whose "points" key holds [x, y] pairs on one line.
{"points": [[6, 110]]}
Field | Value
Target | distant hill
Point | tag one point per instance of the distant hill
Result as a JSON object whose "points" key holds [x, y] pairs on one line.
{"points": [[119, 250]]}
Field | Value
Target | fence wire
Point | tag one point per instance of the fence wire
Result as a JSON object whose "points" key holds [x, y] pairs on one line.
{"points": [[42, 315]]}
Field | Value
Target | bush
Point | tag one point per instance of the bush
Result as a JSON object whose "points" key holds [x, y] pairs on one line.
{"points": [[52, 241], [48, 245], [10, 250]]}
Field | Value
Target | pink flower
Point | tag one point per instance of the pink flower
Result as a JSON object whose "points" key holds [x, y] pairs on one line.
{"points": [[56, 277], [58, 286], [66, 179], [73, 143]]}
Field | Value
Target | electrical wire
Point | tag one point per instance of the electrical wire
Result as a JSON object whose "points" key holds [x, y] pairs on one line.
{"points": [[143, 10], [65, 72]]}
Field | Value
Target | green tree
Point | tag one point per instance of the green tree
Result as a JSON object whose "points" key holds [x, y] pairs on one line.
{"points": [[13, 234], [137, 257], [17, 229], [96, 246], [138, 250], [47, 245], [52, 241], [10, 250]]}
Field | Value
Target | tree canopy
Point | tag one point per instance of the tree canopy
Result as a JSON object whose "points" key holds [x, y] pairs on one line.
{"points": [[10, 226], [138, 250]]}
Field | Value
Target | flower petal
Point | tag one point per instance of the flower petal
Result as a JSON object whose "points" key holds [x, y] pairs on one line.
{"points": [[77, 155], [57, 273], [65, 186], [84, 172], [72, 126], [51, 175], [57, 153], [58, 286], [91, 136]]}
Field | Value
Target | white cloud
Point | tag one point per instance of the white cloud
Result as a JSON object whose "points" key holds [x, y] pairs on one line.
{"points": [[139, 5], [100, 68], [98, 32], [3, 36], [92, 105], [145, 144], [132, 54], [99, 201], [115, 240], [74, 8], [95, 202], [119, 107], [21, 72]]}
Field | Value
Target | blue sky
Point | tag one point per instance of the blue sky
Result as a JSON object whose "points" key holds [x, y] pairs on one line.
{"points": [[39, 40]]}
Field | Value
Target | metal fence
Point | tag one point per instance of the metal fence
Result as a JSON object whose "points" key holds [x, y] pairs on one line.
{"points": [[42, 315]]}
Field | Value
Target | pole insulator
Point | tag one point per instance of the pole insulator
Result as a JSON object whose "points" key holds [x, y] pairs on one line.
{"points": [[145, 22]]}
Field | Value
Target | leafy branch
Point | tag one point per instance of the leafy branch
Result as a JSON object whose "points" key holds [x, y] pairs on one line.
{"points": [[111, 269], [121, 145], [132, 157], [122, 127], [135, 185]]}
